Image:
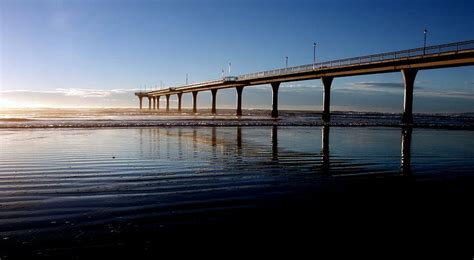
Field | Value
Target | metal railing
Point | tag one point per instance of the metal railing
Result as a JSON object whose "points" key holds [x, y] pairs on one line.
{"points": [[389, 56]]}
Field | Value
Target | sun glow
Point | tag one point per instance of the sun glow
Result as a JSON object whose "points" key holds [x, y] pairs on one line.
{"points": [[4, 103], [8, 104]]}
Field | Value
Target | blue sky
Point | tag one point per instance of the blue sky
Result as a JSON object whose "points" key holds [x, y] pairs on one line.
{"points": [[95, 53]]}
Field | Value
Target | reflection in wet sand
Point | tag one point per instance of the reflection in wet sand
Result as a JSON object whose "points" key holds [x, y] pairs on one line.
{"points": [[275, 143], [144, 181], [219, 140], [325, 149], [405, 158]]}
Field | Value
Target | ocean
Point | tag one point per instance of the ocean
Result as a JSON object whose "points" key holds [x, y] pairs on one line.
{"points": [[76, 185]]}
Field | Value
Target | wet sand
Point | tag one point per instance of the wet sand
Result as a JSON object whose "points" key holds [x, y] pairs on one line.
{"points": [[151, 192]]}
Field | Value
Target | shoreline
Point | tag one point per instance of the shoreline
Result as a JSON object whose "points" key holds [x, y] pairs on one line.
{"points": [[134, 118], [119, 125]]}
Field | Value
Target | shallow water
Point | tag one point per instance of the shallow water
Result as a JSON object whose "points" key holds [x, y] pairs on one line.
{"points": [[68, 189]]}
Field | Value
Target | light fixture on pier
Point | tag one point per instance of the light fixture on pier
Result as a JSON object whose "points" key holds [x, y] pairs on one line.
{"points": [[424, 43], [314, 54]]}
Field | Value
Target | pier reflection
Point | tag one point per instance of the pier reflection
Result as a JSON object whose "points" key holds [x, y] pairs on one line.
{"points": [[275, 143], [405, 156], [279, 147], [325, 165]]}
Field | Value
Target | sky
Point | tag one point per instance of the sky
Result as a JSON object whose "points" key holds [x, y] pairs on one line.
{"points": [[89, 53]]}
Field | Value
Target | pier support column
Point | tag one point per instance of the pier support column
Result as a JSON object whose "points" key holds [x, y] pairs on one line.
{"points": [[195, 93], [239, 100], [141, 102], [158, 102], [149, 103], [214, 96], [327, 81], [154, 103], [179, 102], [275, 87], [409, 81], [167, 103]]}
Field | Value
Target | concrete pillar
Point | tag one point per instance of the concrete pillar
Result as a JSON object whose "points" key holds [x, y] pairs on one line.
{"points": [[275, 87], [195, 93], [154, 103], [167, 102], [327, 81], [409, 81], [149, 103], [179, 102], [158, 102], [214, 95], [405, 155], [141, 101], [239, 100]]}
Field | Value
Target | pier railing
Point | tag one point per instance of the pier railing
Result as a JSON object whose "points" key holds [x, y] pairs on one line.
{"points": [[388, 56]]}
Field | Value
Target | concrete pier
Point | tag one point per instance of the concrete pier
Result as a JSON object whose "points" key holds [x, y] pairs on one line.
{"points": [[327, 81], [195, 93], [149, 103], [179, 101], [167, 103], [154, 103], [409, 61], [214, 96], [158, 102], [239, 100], [409, 76], [275, 87]]}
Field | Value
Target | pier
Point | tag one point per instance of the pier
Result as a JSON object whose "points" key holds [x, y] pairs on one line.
{"points": [[408, 62]]}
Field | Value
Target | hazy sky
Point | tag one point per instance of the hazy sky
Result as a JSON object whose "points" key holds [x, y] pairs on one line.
{"points": [[96, 53]]}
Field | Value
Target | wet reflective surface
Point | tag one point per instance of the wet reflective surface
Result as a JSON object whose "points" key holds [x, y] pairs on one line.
{"points": [[86, 191]]}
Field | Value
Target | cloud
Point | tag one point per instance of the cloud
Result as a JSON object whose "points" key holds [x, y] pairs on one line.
{"points": [[391, 87], [288, 88], [447, 94], [92, 93], [396, 87], [71, 97]]}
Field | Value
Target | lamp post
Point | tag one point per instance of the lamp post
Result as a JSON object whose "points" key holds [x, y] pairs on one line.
{"points": [[230, 64], [314, 55], [286, 66], [424, 43], [186, 78]]}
